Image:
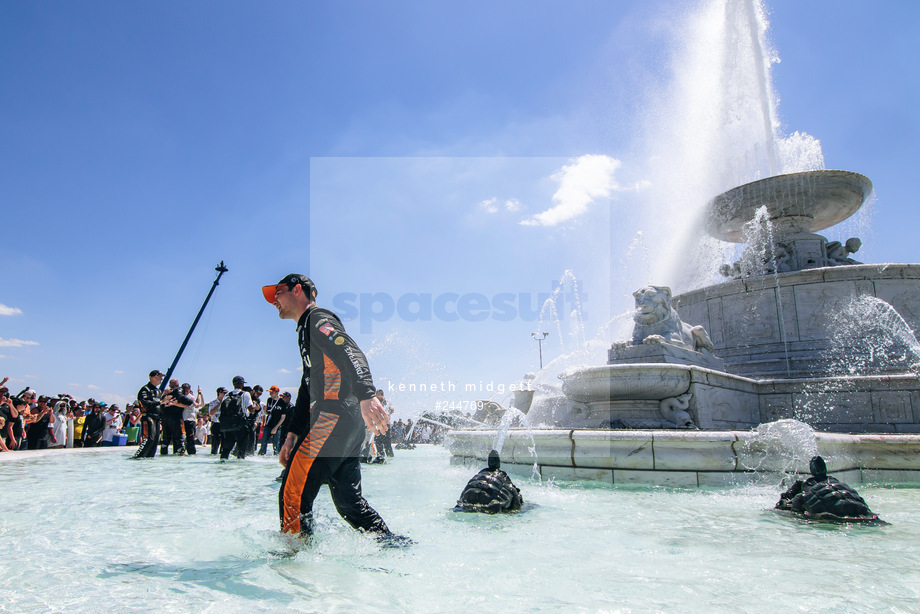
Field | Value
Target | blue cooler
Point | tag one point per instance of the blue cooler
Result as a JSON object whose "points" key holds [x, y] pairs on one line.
{"points": [[119, 439]]}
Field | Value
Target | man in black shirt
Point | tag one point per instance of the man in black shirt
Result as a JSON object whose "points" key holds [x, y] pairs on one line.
{"points": [[93, 427], [335, 402], [277, 410], [148, 399], [175, 400], [253, 419], [233, 412], [11, 409], [37, 433], [288, 417]]}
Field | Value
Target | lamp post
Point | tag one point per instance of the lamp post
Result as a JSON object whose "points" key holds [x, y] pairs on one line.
{"points": [[540, 337]]}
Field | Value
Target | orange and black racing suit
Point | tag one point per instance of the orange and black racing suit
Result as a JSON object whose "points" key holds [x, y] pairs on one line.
{"points": [[149, 399], [327, 420]]}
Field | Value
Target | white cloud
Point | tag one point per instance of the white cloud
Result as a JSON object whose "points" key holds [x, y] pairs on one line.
{"points": [[9, 311], [92, 387], [492, 205], [489, 206], [15, 343], [73, 384], [590, 177], [119, 372], [285, 371]]}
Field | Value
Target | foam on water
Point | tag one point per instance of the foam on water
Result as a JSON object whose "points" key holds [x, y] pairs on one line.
{"points": [[92, 530]]}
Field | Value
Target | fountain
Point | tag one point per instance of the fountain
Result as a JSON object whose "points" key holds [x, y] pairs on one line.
{"points": [[797, 337], [678, 403]]}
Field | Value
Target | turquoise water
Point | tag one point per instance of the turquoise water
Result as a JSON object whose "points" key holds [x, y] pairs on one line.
{"points": [[92, 530]]}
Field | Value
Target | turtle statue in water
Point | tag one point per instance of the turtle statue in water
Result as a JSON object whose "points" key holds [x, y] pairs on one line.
{"points": [[490, 491], [822, 497]]}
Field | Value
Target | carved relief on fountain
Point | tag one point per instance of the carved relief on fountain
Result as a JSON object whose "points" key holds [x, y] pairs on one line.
{"points": [[674, 411]]}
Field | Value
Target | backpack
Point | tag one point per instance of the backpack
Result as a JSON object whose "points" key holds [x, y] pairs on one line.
{"points": [[231, 411]]}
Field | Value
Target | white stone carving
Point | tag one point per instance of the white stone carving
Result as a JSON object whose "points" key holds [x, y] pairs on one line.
{"points": [[674, 410], [657, 322]]}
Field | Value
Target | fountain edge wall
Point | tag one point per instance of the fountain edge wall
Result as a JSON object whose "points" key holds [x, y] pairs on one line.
{"points": [[777, 325], [686, 459]]}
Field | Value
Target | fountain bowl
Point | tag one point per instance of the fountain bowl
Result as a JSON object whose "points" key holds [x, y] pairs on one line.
{"points": [[649, 381], [802, 202]]}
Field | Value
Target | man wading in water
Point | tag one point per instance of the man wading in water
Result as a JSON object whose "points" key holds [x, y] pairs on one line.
{"points": [[335, 402]]}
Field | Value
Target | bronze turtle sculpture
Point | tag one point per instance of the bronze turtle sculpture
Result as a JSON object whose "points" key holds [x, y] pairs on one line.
{"points": [[490, 491], [823, 497]]}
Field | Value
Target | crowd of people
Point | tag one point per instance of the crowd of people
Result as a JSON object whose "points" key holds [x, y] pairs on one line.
{"points": [[30, 421], [174, 418], [409, 433]]}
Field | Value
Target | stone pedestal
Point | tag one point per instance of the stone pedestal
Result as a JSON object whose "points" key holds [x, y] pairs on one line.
{"points": [[621, 353]]}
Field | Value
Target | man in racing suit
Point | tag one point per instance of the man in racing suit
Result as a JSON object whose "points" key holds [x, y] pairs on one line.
{"points": [[148, 398], [335, 402]]}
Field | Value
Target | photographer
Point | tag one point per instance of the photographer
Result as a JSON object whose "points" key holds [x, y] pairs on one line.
{"points": [[5, 435], [112, 419], [37, 425], [10, 412], [57, 436]]}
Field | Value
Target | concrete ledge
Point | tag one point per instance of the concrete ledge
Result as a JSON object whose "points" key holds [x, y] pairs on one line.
{"points": [[690, 459], [23, 455], [597, 449]]}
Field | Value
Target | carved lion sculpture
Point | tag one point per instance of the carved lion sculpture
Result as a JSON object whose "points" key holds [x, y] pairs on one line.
{"points": [[656, 321]]}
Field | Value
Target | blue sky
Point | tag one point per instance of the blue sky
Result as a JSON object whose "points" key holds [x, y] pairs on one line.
{"points": [[402, 150]]}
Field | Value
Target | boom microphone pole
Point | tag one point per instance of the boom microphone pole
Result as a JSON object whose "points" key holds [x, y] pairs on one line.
{"points": [[221, 269]]}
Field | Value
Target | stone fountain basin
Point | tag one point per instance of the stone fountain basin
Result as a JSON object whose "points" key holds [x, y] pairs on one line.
{"points": [[650, 381], [816, 199]]}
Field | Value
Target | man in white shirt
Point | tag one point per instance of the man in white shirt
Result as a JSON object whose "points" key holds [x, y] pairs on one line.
{"points": [[190, 418], [214, 413], [112, 418]]}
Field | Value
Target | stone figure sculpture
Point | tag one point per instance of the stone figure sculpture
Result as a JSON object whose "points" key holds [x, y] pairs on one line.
{"points": [[656, 321], [674, 411], [839, 254], [822, 497]]}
